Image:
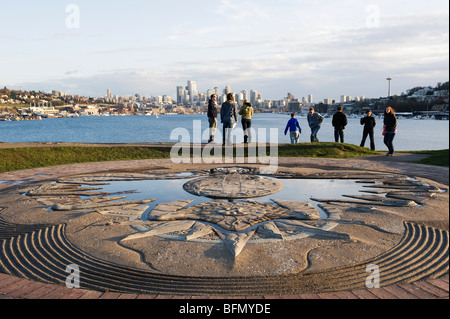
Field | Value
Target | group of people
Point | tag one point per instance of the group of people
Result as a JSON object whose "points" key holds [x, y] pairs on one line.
{"points": [[229, 118]]}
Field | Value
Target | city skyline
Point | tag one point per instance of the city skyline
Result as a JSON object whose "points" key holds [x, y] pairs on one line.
{"points": [[275, 47]]}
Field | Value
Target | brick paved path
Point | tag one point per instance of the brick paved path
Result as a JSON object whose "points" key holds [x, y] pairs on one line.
{"points": [[18, 288]]}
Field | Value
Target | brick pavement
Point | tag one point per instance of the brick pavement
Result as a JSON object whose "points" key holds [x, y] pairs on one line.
{"points": [[18, 288]]}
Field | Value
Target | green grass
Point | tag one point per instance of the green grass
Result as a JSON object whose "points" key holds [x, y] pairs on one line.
{"points": [[12, 159], [326, 150], [438, 158]]}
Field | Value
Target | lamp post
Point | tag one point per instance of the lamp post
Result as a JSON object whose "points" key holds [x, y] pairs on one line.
{"points": [[389, 87]]}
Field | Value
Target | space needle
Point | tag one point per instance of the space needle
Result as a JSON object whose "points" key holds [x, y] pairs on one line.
{"points": [[389, 88]]}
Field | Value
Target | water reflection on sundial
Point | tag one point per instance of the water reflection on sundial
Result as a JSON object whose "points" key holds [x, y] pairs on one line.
{"points": [[225, 205], [301, 190]]}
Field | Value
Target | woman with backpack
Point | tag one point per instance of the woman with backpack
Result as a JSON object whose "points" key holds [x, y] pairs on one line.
{"points": [[247, 112]]}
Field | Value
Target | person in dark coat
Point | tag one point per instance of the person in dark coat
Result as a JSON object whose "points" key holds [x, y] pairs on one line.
{"points": [[229, 117], [389, 129], [212, 117], [369, 123], [339, 123]]}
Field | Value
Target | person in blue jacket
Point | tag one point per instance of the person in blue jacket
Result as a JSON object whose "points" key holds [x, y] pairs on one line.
{"points": [[294, 128]]}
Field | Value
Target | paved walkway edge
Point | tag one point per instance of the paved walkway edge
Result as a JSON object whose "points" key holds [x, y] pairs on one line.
{"points": [[18, 288]]}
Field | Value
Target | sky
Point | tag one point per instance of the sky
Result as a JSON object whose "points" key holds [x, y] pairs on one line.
{"points": [[326, 48]]}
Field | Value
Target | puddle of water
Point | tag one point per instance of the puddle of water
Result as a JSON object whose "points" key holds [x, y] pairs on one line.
{"points": [[164, 191], [12, 182]]}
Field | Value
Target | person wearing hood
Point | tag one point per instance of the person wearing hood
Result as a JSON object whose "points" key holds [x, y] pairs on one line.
{"points": [[247, 112]]}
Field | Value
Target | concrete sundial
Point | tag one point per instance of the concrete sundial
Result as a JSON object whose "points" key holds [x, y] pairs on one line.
{"points": [[203, 224], [234, 222], [231, 215]]}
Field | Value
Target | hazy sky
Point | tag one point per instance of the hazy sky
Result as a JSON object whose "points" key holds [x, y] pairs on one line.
{"points": [[326, 48]]}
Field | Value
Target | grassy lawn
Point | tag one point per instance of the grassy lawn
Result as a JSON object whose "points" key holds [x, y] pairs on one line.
{"points": [[12, 159], [438, 158], [326, 150], [24, 158]]}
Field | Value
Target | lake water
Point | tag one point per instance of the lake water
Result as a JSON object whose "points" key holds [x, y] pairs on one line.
{"points": [[412, 134]]}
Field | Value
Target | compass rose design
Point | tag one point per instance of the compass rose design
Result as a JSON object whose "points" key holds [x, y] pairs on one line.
{"points": [[235, 222], [232, 214]]}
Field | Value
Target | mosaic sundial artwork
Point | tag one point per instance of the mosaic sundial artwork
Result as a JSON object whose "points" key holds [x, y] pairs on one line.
{"points": [[232, 214], [212, 227]]}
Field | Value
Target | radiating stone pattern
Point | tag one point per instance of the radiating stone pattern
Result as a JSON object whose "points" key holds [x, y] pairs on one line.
{"points": [[232, 222]]}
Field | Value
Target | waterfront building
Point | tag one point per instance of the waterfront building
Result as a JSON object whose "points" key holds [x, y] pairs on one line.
{"points": [[227, 90], [244, 94], [192, 89], [294, 106], [289, 97], [179, 94]]}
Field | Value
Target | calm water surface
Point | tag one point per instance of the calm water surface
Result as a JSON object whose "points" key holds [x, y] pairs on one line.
{"points": [[412, 134], [301, 190]]}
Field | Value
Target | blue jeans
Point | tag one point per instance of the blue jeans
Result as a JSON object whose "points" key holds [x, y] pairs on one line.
{"points": [[338, 134], [294, 137], [227, 127], [314, 131], [388, 141]]}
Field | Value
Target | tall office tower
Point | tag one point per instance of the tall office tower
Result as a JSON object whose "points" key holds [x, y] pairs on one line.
{"points": [[343, 99], [290, 97], [179, 94], [108, 94], [227, 90], [310, 98], [304, 101], [239, 98], [244, 94], [209, 92], [186, 97], [192, 88], [253, 97]]}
